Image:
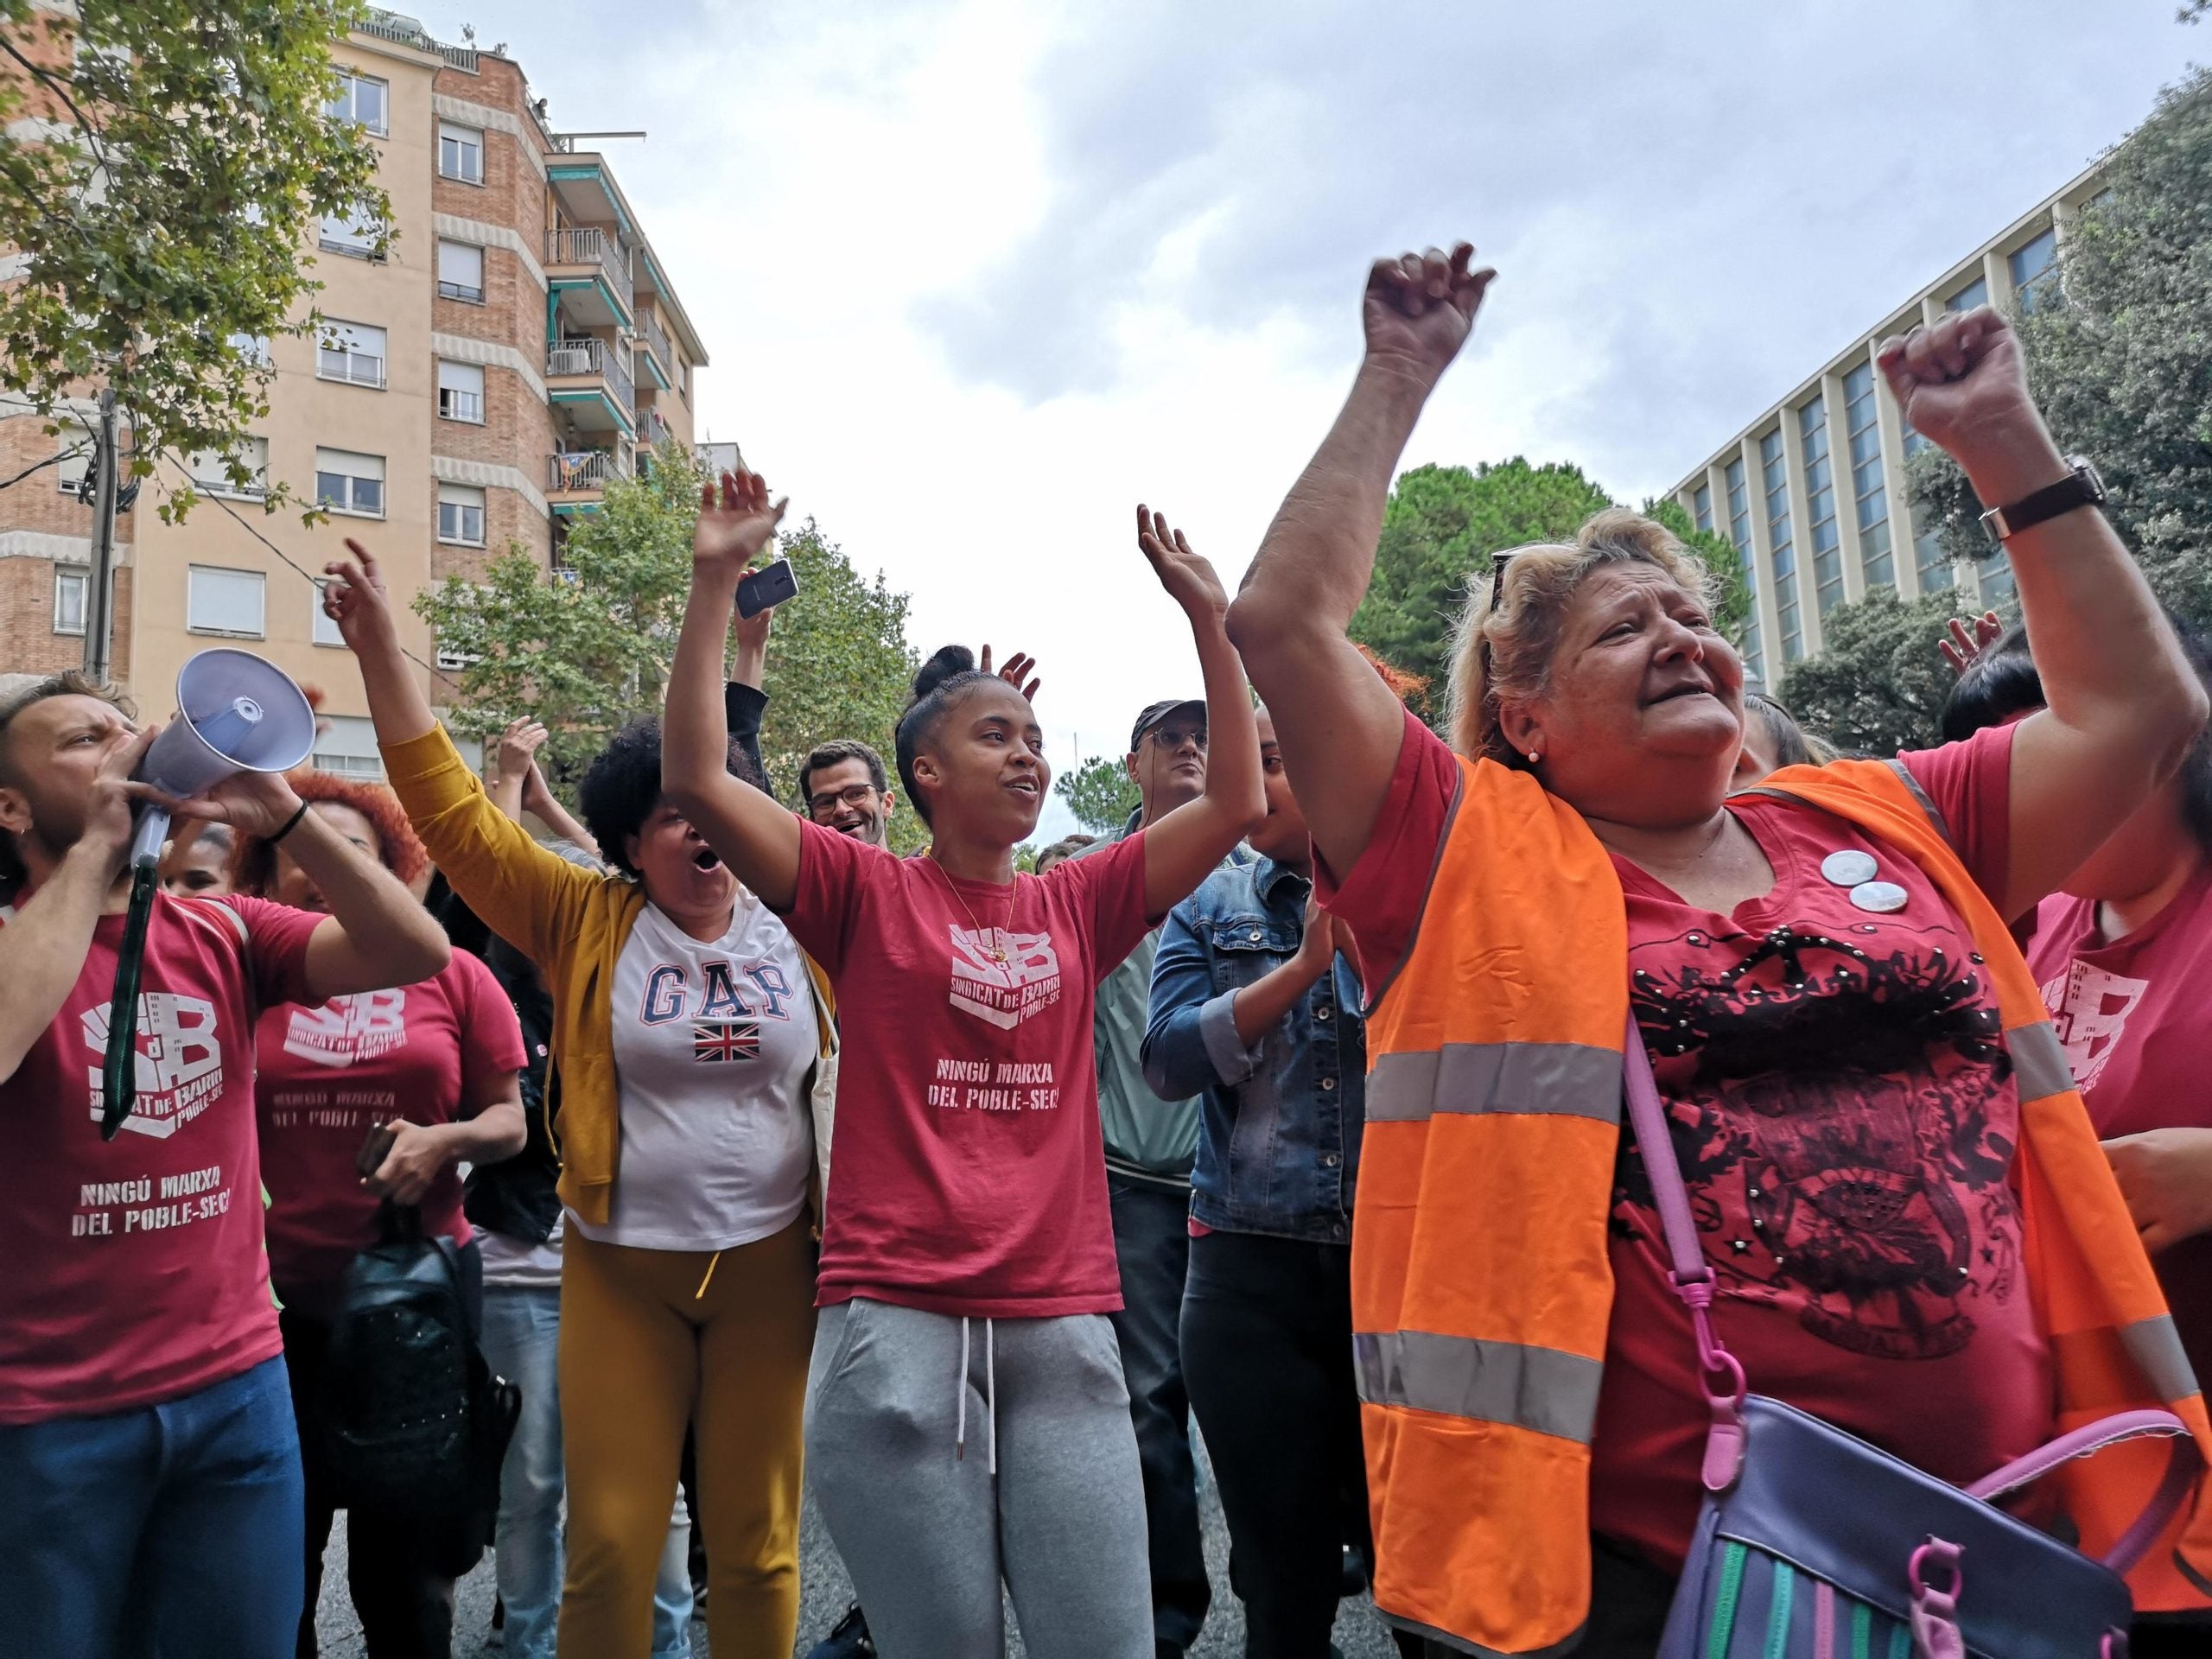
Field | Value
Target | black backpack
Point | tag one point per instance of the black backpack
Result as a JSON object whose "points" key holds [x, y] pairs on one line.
{"points": [[415, 1423]]}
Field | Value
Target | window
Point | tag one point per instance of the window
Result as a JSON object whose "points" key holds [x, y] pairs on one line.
{"points": [[1782, 555], [361, 98], [461, 392], [2034, 265], [1820, 504], [346, 482], [253, 348], [347, 744], [460, 271], [1864, 435], [70, 589], [1998, 591], [1974, 293], [1935, 572], [355, 233], [460, 514], [224, 602], [211, 473], [74, 445], [351, 352], [1739, 532], [1701, 507], [460, 153], [321, 628]]}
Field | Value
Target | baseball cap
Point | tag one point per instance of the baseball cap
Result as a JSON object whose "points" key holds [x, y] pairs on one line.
{"points": [[1156, 714]]}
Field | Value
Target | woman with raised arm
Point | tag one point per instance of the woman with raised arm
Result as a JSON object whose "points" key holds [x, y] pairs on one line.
{"points": [[697, 1058], [1910, 1228], [967, 1420]]}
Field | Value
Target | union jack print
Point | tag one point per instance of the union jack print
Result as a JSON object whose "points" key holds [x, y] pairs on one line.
{"points": [[738, 1039]]}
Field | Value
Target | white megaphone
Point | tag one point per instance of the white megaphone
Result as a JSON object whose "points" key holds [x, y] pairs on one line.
{"points": [[235, 713]]}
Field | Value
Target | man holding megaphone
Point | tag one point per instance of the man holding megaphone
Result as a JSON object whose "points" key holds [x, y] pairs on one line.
{"points": [[148, 1455]]}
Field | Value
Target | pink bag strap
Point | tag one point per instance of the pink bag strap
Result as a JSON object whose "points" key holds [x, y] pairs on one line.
{"points": [[1692, 1277], [2183, 1465]]}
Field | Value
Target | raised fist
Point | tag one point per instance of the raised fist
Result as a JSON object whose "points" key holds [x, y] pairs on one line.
{"points": [[1419, 309], [1962, 383]]}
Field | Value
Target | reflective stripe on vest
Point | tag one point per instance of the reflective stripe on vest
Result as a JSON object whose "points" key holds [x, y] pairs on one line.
{"points": [[2039, 1065], [1538, 1389], [1408, 1087]]}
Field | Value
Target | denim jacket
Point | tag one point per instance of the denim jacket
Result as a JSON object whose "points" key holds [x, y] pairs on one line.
{"points": [[1280, 1130]]}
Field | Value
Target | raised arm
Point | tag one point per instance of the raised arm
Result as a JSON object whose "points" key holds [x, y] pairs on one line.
{"points": [[757, 838], [537, 797], [518, 755], [745, 703], [523, 892], [2123, 706], [1339, 726], [375, 935], [1183, 847]]}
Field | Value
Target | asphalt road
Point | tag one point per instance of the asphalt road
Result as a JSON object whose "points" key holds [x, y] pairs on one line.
{"points": [[825, 1591]]}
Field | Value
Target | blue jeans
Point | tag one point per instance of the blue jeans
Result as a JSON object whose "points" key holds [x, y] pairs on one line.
{"points": [[522, 1338], [1152, 1241], [179, 1524]]}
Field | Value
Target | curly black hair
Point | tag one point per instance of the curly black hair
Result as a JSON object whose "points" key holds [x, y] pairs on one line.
{"points": [[622, 786]]}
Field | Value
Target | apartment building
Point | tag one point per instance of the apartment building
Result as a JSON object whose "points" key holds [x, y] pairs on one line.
{"points": [[515, 345], [1813, 492]]}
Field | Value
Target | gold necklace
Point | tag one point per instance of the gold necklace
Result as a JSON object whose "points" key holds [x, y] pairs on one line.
{"points": [[996, 951]]}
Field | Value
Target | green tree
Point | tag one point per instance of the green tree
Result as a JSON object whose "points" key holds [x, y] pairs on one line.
{"points": [[839, 666], [1440, 529], [1879, 682], [164, 165], [1100, 792], [2120, 355]]}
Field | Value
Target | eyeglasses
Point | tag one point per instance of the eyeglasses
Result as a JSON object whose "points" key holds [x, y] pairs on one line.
{"points": [[1172, 738], [825, 805], [1497, 577]]}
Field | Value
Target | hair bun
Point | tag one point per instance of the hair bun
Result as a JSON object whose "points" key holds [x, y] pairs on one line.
{"points": [[945, 662]]}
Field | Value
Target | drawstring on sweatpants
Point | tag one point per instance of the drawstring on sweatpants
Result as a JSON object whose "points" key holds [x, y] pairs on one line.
{"points": [[712, 1264], [990, 1396]]}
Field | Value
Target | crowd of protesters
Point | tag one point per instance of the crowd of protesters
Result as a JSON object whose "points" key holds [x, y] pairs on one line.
{"points": [[1288, 1110]]}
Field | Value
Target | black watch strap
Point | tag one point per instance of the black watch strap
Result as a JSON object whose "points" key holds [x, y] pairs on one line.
{"points": [[2081, 487]]}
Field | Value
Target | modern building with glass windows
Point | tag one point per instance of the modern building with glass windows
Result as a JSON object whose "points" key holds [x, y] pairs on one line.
{"points": [[1813, 492]]}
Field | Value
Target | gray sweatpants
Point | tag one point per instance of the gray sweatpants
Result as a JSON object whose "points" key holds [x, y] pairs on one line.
{"points": [[927, 1534]]}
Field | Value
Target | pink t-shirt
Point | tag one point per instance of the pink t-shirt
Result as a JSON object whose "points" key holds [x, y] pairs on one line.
{"points": [[1845, 1120], [2132, 1017], [330, 1074], [134, 1272], [968, 1177]]}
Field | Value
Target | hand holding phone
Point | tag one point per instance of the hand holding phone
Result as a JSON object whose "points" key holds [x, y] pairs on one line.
{"points": [[765, 588]]}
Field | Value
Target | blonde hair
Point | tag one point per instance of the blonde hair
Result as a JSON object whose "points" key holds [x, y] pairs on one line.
{"points": [[1503, 651]]}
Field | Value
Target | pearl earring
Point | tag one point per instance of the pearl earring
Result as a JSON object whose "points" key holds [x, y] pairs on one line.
{"points": [[1533, 756]]}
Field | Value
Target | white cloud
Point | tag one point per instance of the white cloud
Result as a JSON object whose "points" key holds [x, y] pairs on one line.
{"points": [[978, 276]]}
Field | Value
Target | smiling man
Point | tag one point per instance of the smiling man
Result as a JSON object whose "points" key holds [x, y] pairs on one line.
{"points": [[843, 785]]}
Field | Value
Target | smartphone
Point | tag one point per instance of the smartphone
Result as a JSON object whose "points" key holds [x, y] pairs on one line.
{"points": [[767, 589], [375, 1150]]}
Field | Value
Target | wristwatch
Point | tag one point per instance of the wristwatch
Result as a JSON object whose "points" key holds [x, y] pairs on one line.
{"points": [[2081, 487]]}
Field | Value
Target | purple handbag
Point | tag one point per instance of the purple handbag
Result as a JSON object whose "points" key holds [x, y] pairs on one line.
{"points": [[1813, 1544]]}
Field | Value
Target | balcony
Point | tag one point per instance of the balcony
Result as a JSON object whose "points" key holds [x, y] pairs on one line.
{"points": [[575, 478], [659, 361], [584, 377], [589, 273], [653, 430]]}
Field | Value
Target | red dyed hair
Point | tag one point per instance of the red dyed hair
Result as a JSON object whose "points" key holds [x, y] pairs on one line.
{"points": [[1403, 686], [253, 862]]}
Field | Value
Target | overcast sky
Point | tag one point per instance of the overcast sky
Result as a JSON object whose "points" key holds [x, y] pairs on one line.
{"points": [[978, 276]]}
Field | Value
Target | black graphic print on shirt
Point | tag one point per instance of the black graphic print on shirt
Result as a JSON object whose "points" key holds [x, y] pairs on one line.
{"points": [[1839, 1106]]}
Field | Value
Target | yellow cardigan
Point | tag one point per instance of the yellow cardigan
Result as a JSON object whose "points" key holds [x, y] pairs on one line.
{"points": [[573, 924]]}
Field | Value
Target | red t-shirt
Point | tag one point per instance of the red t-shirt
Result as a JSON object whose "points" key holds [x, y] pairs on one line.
{"points": [[2132, 1017], [1845, 1120], [134, 1269], [968, 1177], [331, 1074]]}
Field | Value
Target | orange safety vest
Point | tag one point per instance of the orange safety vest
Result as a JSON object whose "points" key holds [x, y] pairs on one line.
{"points": [[1481, 1289]]}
